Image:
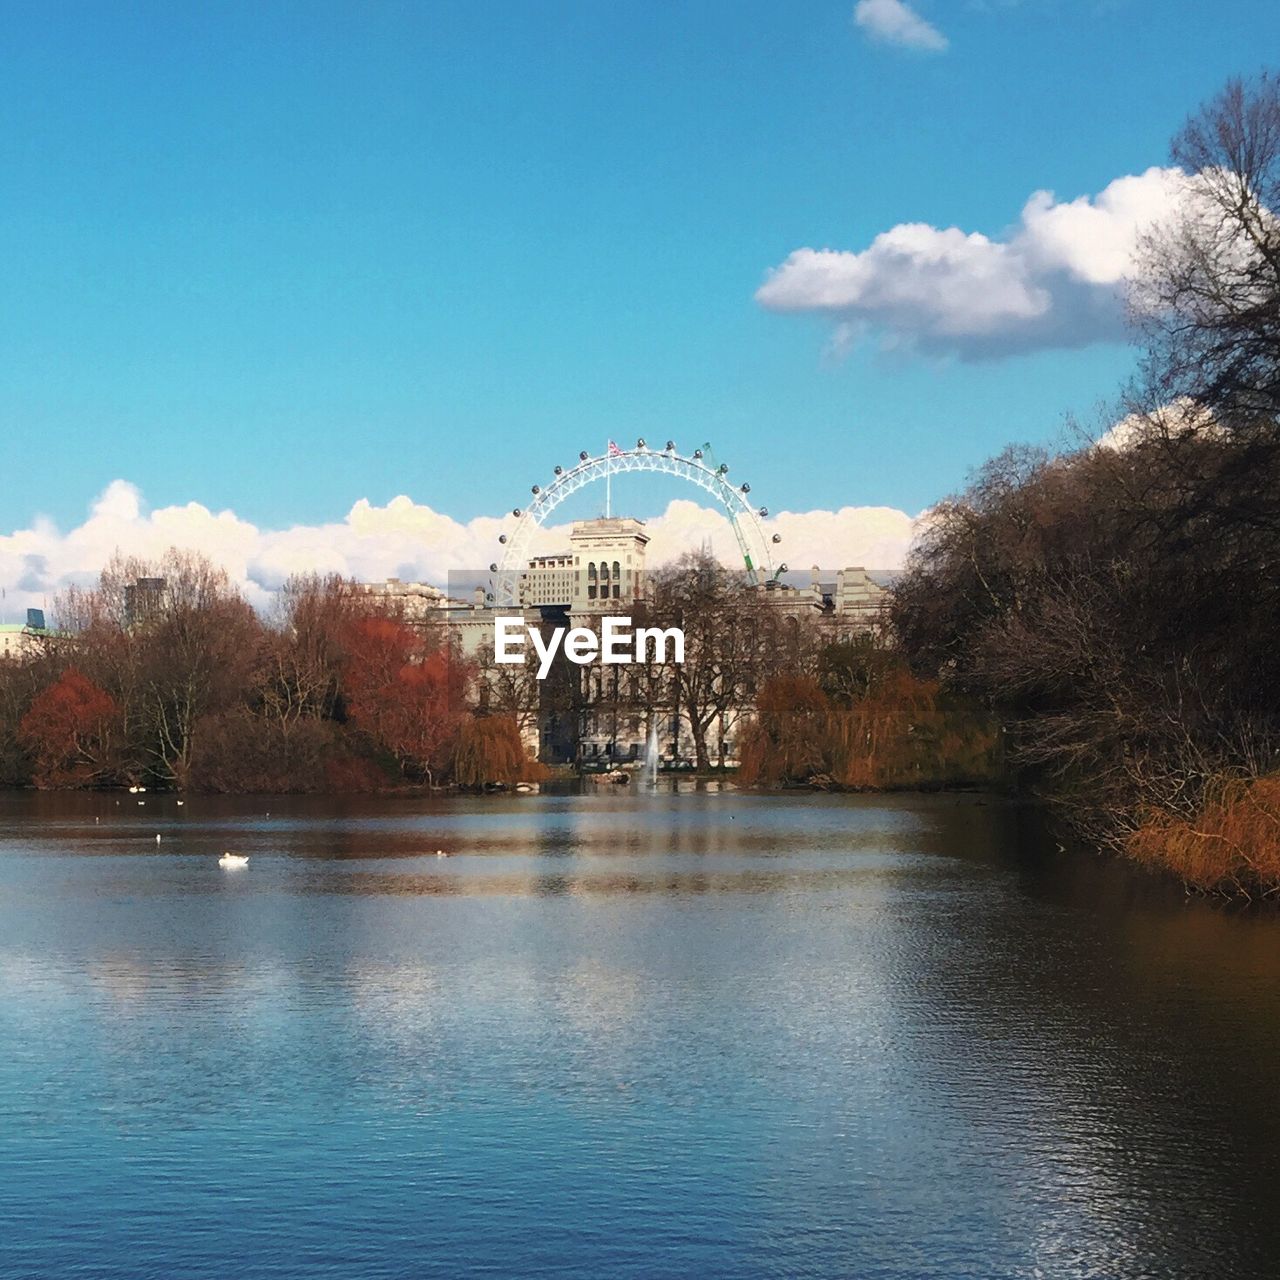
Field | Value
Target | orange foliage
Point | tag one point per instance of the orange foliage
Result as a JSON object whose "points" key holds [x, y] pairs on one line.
{"points": [[489, 750], [409, 702], [906, 733], [789, 738], [903, 732], [67, 729], [1232, 844]]}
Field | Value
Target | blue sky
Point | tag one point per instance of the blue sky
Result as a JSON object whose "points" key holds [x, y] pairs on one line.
{"points": [[280, 257]]}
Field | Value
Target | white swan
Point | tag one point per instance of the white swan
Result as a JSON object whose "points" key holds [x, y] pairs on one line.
{"points": [[229, 860]]}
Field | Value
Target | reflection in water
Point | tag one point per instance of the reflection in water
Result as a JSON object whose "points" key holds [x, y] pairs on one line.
{"points": [[621, 1034]]}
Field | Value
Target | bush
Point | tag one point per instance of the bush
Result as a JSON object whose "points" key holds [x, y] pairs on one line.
{"points": [[1231, 845], [490, 751]]}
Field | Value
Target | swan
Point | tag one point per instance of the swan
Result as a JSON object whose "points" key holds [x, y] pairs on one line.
{"points": [[229, 860], [441, 853]]}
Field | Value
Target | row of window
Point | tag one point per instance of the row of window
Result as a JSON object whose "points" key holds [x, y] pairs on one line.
{"points": [[603, 572]]}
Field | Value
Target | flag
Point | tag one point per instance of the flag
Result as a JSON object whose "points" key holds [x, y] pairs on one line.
{"points": [[614, 451]]}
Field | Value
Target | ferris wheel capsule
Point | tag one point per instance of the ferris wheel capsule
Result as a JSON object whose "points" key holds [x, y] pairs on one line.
{"points": [[699, 467]]}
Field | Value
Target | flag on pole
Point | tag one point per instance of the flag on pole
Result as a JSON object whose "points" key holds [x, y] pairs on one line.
{"points": [[614, 451]]}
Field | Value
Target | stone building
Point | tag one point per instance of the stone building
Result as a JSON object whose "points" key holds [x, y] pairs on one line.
{"points": [[413, 601], [20, 640], [599, 714]]}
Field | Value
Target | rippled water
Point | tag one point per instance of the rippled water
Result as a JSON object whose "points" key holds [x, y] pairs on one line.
{"points": [[636, 1035]]}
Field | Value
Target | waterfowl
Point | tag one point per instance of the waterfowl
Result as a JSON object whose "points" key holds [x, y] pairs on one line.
{"points": [[229, 860]]}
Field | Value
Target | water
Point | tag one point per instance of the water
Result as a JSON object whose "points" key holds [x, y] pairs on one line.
{"points": [[622, 1034]]}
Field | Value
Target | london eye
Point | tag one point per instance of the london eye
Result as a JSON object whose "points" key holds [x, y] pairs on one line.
{"points": [[699, 468]]}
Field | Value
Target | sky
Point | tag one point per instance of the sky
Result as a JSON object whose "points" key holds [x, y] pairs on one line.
{"points": [[267, 262]]}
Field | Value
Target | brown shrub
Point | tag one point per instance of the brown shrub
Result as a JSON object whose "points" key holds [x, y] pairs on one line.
{"points": [[903, 732], [788, 741], [240, 753], [1231, 845]]}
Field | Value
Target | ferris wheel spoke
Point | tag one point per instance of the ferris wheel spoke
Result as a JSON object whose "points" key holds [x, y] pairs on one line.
{"points": [[744, 518]]}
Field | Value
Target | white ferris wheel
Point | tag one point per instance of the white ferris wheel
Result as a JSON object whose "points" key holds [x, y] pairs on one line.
{"points": [[699, 468]]}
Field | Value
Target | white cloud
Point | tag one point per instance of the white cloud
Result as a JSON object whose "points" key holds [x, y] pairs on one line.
{"points": [[1179, 418], [1055, 280], [403, 539], [895, 22]]}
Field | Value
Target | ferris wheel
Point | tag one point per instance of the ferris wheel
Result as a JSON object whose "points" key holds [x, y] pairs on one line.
{"points": [[699, 468]]}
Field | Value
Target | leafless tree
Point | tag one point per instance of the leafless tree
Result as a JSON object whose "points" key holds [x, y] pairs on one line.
{"points": [[1207, 293]]}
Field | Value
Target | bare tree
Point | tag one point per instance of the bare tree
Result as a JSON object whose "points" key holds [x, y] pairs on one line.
{"points": [[1207, 293]]}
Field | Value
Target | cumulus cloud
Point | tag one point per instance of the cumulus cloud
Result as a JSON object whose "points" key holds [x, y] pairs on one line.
{"points": [[1177, 419], [402, 539], [1056, 279], [896, 22]]}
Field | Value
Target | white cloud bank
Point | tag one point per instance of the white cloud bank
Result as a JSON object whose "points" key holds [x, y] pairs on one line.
{"points": [[895, 22], [1056, 279], [402, 539]]}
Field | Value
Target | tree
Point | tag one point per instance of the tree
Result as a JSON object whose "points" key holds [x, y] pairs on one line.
{"points": [[305, 653], [173, 642], [405, 694], [733, 640], [1207, 293], [489, 750], [70, 730], [788, 739]]}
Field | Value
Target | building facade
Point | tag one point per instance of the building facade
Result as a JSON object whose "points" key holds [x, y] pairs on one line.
{"points": [[605, 715], [19, 640]]}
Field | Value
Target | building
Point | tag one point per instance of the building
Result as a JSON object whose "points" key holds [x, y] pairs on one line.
{"points": [[413, 601], [143, 599], [603, 565], [853, 601], [20, 640], [858, 600], [549, 582], [597, 714]]}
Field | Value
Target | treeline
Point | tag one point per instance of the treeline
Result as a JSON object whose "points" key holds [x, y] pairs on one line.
{"points": [[1117, 605], [807, 697], [864, 721], [165, 676]]}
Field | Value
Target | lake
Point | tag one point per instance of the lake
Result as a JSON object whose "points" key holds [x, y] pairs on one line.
{"points": [[624, 1033]]}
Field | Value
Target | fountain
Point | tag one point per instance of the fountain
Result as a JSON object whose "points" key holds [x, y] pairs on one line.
{"points": [[651, 753]]}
